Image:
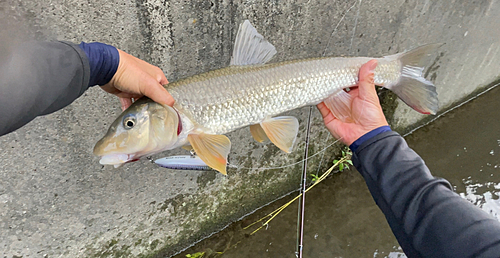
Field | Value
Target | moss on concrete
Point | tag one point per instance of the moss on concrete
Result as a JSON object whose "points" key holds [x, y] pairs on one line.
{"points": [[110, 249]]}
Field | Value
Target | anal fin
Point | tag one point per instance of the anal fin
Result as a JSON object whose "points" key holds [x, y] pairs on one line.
{"points": [[212, 149], [340, 105], [282, 131]]}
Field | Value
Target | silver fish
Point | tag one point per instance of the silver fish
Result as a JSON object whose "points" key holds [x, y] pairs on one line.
{"points": [[252, 93]]}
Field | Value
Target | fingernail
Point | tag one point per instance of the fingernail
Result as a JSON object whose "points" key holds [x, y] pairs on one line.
{"points": [[168, 101]]}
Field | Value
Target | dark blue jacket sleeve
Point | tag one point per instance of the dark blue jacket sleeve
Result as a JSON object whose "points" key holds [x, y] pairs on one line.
{"points": [[426, 216]]}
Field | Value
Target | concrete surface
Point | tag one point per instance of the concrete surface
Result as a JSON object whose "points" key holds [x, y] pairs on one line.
{"points": [[57, 201]]}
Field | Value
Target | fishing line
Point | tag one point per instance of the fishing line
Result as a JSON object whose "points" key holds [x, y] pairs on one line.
{"points": [[300, 220], [324, 54], [285, 166], [335, 29], [301, 210], [323, 154], [355, 26]]}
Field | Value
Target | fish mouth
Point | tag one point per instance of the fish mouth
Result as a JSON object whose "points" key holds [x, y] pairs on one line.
{"points": [[117, 159]]}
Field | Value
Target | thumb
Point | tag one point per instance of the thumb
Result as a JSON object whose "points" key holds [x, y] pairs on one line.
{"points": [[366, 81]]}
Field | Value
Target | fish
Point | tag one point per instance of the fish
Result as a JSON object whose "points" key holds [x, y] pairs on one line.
{"points": [[252, 92]]}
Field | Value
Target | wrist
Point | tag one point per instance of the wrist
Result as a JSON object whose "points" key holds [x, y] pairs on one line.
{"points": [[354, 146], [103, 61]]}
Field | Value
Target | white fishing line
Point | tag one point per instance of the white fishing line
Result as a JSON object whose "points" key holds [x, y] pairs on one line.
{"points": [[285, 166], [335, 29], [323, 154], [355, 26], [324, 53]]}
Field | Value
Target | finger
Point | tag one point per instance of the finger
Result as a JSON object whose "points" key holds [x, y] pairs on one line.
{"points": [[152, 70], [157, 73], [323, 109], [125, 102], [354, 92], [128, 95], [334, 126], [366, 81], [162, 79], [331, 123], [157, 92], [327, 115]]}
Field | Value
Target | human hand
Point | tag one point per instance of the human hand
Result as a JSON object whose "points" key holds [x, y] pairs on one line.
{"points": [[365, 109], [135, 78]]}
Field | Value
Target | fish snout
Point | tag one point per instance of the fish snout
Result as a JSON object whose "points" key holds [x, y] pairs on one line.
{"points": [[99, 147]]}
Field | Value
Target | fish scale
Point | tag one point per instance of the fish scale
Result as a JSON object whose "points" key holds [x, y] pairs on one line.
{"points": [[223, 100]]}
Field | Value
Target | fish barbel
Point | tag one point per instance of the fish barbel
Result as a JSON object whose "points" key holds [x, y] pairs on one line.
{"points": [[252, 93]]}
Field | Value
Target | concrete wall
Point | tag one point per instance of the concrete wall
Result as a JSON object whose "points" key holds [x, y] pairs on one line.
{"points": [[57, 201]]}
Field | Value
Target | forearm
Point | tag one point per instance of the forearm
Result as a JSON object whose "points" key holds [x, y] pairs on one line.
{"points": [[428, 219], [40, 78]]}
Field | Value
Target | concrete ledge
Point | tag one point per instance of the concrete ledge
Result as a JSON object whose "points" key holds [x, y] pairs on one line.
{"points": [[57, 201]]}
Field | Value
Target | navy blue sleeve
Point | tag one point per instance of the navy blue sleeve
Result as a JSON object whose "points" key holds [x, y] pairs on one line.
{"points": [[103, 62], [426, 216], [354, 146]]}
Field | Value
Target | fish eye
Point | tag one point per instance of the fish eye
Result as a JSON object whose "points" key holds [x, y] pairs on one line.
{"points": [[129, 122]]}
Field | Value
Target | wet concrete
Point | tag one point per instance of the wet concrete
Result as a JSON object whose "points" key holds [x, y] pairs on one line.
{"points": [[342, 220]]}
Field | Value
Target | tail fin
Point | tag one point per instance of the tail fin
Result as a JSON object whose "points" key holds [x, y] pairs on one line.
{"points": [[416, 91]]}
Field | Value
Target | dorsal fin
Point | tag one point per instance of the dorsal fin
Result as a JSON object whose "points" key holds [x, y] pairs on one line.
{"points": [[250, 47]]}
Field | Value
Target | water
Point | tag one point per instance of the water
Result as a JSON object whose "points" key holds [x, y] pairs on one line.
{"points": [[342, 219]]}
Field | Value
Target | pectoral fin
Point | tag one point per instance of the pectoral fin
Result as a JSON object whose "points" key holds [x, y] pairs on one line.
{"points": [[340, 105], [212, 149], [282, 131], [258, 133]]}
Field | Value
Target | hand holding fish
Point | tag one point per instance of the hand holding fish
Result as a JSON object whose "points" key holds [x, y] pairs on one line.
{"points": [[135, 78], [366, 112]]}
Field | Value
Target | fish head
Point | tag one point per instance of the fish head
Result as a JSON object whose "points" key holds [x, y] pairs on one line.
{"points": [[143, 129]]}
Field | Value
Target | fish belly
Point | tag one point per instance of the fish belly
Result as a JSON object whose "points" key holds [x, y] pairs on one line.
{"points": [[223, 100]]}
